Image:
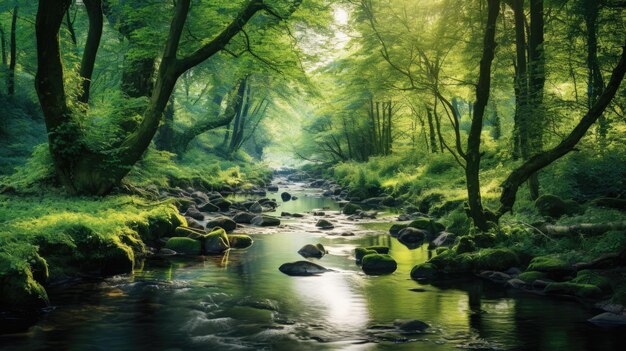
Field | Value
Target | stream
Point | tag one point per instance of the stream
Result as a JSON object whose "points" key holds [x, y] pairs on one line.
{"points": [[241, 301]]}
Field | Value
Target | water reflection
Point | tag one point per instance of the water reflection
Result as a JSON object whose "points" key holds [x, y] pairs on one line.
{"points": [[240, 301]]}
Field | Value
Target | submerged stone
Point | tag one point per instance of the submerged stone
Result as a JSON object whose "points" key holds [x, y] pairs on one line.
{"points": [[302, 268], [310, 250]]}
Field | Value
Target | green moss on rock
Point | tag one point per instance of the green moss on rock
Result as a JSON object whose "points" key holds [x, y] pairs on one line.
{"points": [[424, 271], [496, 259], [555, 207], [379, 249], [215, 242], [555, 267], [19, 291], [451, 263], [239, 241], [185, 246], [590, 277], [350, 209], [377, 264], [531, 276], [568, 288], [360, 252], [39, 269], [465, 245], [484, 240], [188, 232]]}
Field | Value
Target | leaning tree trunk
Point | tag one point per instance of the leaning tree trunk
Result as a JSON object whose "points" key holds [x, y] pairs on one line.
{"points": [[472, 170], [545, 158]]}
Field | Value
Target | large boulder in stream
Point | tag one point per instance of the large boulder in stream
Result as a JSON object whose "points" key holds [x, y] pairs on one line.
{"points": [[302, 268], [412, 237], [239, 241], [265, 221], [194, 213], [223, 222], [310, 250], [324, 224], [378, 264], [221, 202], [350, 209], [243, 217], [208, 207], [285, 196], [255, 207]]}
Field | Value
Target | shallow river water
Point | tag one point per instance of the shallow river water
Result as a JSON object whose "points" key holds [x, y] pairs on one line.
{"points": [[241, 301]]}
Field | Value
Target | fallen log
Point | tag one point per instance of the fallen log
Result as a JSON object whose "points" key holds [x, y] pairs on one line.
{"points": [[588, 229]]}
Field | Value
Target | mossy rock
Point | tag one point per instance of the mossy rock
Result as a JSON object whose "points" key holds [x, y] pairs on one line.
{"points": [[378, 264], [587, 291], [451, 263], [105, 255], [465, 245], [555, 267], [421, 223], [162, 224], [239, 241], [396, 228], [424, 271], [555, 207], [176, 220], [379, 249], [185, 246], [188, 232], [484, 240], [441, 250], [117, 259], [350, 209], [496, 259], [588, 276], [39, 269], [427, 224], [531, 276], [360, 252], [215, 242], [19, 291]]}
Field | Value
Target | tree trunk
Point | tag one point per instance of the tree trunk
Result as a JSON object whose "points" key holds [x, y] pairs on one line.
{"points": [[3, 43], [70, 28], [595, 84], [545, 158], [431, 131], [13, 62], [472, 170], [241, 92], [85, 171], [537, 78], [95, 15]]}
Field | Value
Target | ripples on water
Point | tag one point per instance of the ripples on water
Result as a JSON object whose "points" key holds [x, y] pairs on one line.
{"points": [[242, 302]]}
